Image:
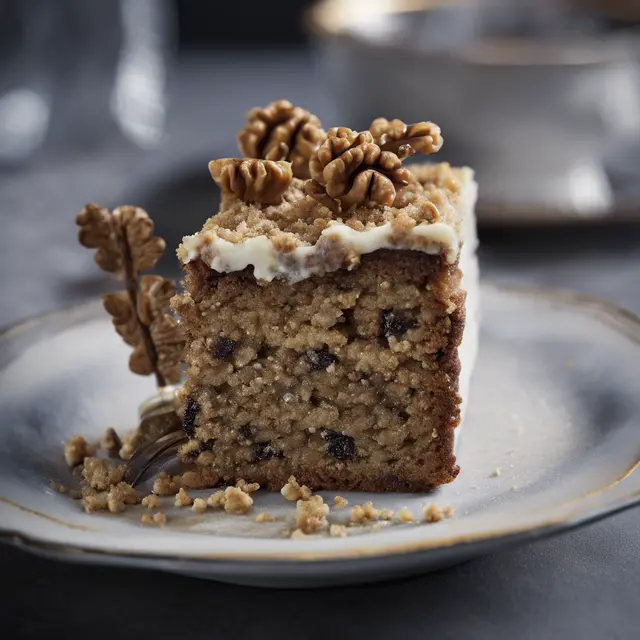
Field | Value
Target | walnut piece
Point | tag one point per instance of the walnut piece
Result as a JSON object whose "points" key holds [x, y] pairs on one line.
{"points": [[354, 170], [281, 131], [406, 139], [263, 181]]}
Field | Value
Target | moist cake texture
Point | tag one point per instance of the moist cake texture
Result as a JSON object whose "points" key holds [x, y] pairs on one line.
{"points": [[324, 331]]}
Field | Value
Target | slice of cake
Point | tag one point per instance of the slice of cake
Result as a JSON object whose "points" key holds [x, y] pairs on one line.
{"points": [[329, 310]]}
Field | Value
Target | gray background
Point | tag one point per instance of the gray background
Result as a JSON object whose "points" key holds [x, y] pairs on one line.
{"points": [[585, 584]]}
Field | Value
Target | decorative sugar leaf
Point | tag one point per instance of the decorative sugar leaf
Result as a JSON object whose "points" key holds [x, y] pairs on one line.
{"points": [[97, 232], [136, 229], [126, 246]]}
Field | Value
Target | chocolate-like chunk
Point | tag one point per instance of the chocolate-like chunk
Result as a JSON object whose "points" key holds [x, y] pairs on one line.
{"points": [[339, 446], [394, 324], [224, 348], [264, 451], [319, 359], [189, 421]]}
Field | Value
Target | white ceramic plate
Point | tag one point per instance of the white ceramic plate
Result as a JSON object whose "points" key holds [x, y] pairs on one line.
{"points": [[551, 441]]}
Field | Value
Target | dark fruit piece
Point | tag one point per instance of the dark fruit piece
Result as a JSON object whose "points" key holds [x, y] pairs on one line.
{"points": [[339, 446], [189, 421], [224, 348], [205, 446], [319, 359], [393, 324], [244, 433], [264, 451]]}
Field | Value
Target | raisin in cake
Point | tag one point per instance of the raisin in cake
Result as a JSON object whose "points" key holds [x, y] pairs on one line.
{"points": [[330, 316]]}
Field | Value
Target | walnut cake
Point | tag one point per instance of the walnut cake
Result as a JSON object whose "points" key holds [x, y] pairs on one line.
{"points": [[329, 308]]}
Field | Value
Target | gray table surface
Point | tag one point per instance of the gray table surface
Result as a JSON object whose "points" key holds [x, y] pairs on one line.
{"points": [[584, 584]]}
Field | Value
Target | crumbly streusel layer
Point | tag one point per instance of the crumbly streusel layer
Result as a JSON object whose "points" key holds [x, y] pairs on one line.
{"points": [[346, 381], [300, 219]]}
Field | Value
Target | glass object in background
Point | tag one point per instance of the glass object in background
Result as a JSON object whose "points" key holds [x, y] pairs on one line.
{"points": [[78, 74]]}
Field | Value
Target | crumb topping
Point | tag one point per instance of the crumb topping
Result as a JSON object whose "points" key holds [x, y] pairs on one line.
{"points": [[199, 505], [337, 531], [265, 517], [165, 484], [435, 513], [236, 501], [76, 450], [293, 491], [183, 499], [404, 515], [247, 487], [340, 502], [311, 515], [157, 519], [151, 501]]}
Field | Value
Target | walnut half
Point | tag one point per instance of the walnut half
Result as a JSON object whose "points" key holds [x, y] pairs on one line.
{"points": [[351, 168], [406, 139], [263, 181], [281, 131]]}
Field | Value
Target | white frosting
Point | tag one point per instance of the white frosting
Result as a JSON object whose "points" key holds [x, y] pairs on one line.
{"points": [[468, 349], [307, 260]]}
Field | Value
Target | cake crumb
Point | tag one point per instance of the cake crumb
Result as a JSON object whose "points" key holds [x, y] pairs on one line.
{"points": [[199, 505], [121, 495], [76, 450], [111, 442], [364, 513], [434, 513], [385, 514], [404, 515], [247, 487], [165, 485], [311, 514], [157, 519], [297, 534], [95, 502], [216, 500], [151, 501], [60, 488], [496, 473], [340, 502], [264, 517], [337, 531], [293, 491], [236, 501], [100, 474], [183, 499]]}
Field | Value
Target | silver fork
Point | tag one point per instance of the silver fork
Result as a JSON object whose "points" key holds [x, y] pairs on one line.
{"points": [[161, 423]]}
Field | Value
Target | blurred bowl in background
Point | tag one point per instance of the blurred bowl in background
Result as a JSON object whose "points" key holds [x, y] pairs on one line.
{"points": [[534, 98]]}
